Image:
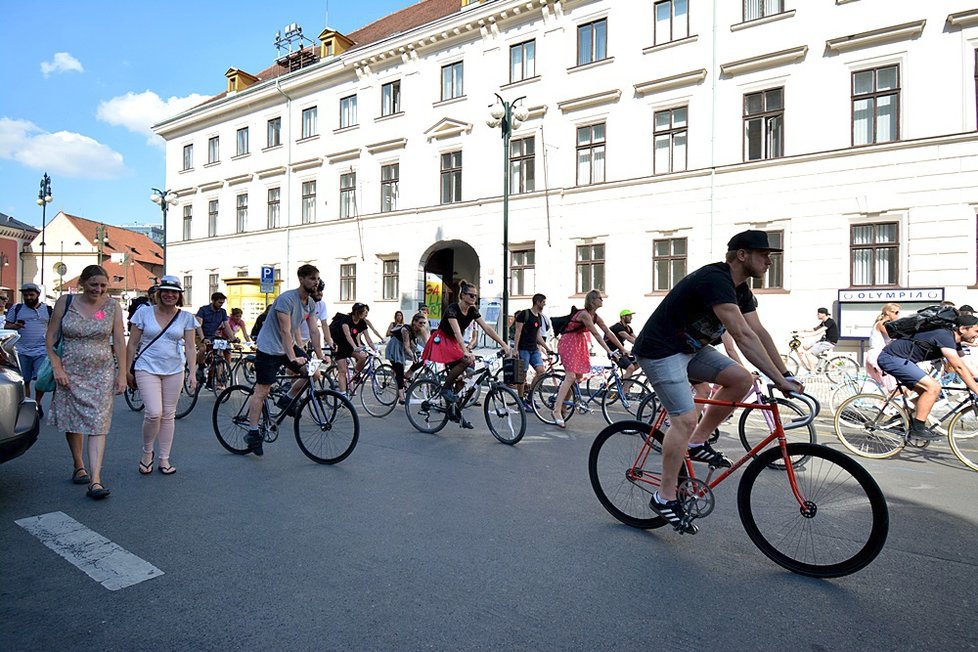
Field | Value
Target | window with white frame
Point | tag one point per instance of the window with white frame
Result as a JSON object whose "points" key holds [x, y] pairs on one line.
{"points": [[874, 250], [308, 202], [590, 268], [274, 132], [188, 217], [348, 198], [241, 212], [310, 127], [213, 149], [213, 281], [671, 21], [668, 263], [876, 105], [590, 154], [348, 111], [521, 165], [451, 81], [764, 124], [592, 41], [670, 133], [451, 177], [774, 276], [390, 98], [212, 218], [188, 157], [754, 9], [348, 282], [391, 282], [241, 140], [522, 61], [274, 207], [188, 290], [389, 179], [522, 265]]}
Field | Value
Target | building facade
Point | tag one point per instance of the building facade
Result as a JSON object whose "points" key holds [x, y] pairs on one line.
{"points": [[14, 236], [654, 131]]}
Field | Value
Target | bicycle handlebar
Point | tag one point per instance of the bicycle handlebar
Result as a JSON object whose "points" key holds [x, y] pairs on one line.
{"points": [[813, 410]]}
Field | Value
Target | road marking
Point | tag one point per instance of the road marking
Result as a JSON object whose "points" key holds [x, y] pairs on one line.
{"points": [[105, 562]]}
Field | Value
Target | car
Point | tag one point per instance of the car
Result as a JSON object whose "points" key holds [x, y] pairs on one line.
{"points": [[19, 422]]}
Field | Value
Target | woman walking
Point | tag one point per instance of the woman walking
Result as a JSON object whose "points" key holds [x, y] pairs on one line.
{"points": [[162, 334], [402, 347], [877, 340], [573, 348], [92, 329]]}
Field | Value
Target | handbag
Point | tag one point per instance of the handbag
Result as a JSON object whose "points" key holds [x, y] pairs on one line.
{"points": [[132, 366], [45, 373]]}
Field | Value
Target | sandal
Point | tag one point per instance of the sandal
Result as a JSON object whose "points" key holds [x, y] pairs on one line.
{"points": [[80, 479], [146, 469], [97, 494], [167, 470], [560, 423]]}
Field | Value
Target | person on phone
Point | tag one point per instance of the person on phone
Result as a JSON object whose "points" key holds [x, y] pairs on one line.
{"points": [[30, 320]]}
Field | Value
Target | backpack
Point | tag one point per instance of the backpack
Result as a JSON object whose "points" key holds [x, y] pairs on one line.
{"points": [[558, 324], [256, 328], [18, 306], [135, 304], [927, 319]]}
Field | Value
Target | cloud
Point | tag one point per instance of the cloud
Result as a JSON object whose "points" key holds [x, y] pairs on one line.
{"points": [[62, 62], [138, 112], [64, 152]]}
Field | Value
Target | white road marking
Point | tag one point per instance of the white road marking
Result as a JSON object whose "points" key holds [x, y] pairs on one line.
{"points": [[105, 562]]}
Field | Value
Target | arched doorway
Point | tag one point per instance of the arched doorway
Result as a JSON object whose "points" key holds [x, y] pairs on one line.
{"points": [[446, 262]]}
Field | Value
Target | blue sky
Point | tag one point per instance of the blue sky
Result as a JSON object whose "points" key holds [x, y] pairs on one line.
{"points": [[83, 80]]}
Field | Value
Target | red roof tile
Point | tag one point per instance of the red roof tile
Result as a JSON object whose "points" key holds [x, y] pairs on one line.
{"points": [[143, 249]]}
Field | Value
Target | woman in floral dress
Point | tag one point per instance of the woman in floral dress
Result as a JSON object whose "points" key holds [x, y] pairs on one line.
{"points": [[86, 374]]}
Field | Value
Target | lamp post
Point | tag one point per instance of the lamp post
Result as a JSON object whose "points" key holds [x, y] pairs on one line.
{"points": [[165, 199], [507, 117], [100, 240], [43, 199]]}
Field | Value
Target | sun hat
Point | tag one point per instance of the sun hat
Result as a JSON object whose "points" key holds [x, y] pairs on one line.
{"points": [[170, 283]]}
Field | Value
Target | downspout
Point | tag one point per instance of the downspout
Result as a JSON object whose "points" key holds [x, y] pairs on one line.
{"points": [[286, 272], [546, 185], [713, 129]]}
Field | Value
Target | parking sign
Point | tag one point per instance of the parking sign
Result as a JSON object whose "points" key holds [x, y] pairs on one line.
{"points": [[267, 279]]}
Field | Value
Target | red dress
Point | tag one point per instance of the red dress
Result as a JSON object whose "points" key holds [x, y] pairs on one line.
{"points": [[573, 347]]}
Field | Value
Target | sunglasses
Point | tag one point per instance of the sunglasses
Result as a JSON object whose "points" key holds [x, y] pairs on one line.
{"points": [[472, 295]]}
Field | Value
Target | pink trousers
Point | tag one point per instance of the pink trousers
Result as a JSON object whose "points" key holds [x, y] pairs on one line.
{"points": [[160, 395]]}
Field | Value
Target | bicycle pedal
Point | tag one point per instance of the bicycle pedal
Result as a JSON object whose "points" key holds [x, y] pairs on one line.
{"points": [[466, 425]]}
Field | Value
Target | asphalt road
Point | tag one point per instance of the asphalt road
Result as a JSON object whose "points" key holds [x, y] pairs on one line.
{"points": [[455, 541]]}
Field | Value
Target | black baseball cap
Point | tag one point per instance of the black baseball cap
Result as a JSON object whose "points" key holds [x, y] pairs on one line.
{"points": [[751, 240], [966, 320], [966, 308], [824, 311]]}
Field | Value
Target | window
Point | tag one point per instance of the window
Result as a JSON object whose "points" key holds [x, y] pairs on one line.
{"points": [[391, 283], [590, 268], [668, 263], [521, 164], [274, 207], [670, 140], [212, 283], [274, 132], [241, 140], [451, 177], [242, 273], [188, 216], [188, 157], [590, 154], [389, 177], [188, 288], [522, 61], [348, 199], [671, 21], [874, 250], [592, 42], [774, 277], [348, 111], [754, 9], [764, 124], [876, 105], [241, 213], [309, 126], [213, 149], [451, 81], [308, 202], [390, 98], [521, 269], [348, 282], [212, 218]]}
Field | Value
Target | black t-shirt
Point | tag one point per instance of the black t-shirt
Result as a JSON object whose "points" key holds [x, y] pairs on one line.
{"points": [[531, 327], [336, 329], [454, 312], [923, 346], [685, 322], [397, 333], [831, 333], [618, 328]]}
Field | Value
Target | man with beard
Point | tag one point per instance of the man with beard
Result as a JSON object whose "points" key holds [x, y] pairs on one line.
{"points": [[30, 320], [675, 348]]}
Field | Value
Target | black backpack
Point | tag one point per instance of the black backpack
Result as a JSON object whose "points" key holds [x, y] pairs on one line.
{"points": [[558, 324], [927, 319], [16, 310], [135, 304]]}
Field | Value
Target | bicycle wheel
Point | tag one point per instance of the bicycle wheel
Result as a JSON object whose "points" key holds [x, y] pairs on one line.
{"points": [[425, 406], [621, 402], [230, 418], [962, 434], [647, 409], [187, 399], [543, 393], [625, 473], [754, 427], [219, 376], [852, 385], [842, 525], [837, 368], [134, 400], [243, 372], [505, 414], [379, 394], [869, 425], [327, 427]]}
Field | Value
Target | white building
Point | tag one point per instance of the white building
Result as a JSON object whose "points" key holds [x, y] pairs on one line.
{"points": [[656, 130]]}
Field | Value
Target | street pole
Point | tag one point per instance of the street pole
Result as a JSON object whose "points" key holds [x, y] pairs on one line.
{"points": [[100, 241], [165, 199], [43, 199]]}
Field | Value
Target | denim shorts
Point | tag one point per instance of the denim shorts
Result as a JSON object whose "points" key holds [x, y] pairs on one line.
{"points": [[29, 365], [670, 376], [532, 358], [820, 347], [905, 372]]}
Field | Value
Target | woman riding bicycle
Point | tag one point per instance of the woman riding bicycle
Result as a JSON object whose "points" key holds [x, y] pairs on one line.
{"points": [[345, 329], [401, 347]]}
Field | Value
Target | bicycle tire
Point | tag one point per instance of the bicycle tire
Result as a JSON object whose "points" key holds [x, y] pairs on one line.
{"points": [[326, 427], [622, 404], [379, 394], [836, 488], [425, 407], [962, 435], [790, 364], [243, 372], [187, 399], [230, 418], [502, 406], [647, 409], [838, 367], [545, 393], [872, 426], [850, 386], [218, 376], [134, 400], [753, 428]]}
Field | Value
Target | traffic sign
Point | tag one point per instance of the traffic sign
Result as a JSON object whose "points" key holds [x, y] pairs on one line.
{"points": [[267, 279]]}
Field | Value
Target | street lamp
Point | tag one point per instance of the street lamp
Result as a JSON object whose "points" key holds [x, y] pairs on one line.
{"points": [[43, 199], [165, 199], [507, 116], [101, 239]]}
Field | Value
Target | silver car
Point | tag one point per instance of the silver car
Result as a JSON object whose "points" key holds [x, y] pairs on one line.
{"points": [[19, 424]]}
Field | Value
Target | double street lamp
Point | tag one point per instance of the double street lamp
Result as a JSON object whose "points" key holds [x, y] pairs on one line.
{"points": [[165, 199], [43, 199], [507, 116]]}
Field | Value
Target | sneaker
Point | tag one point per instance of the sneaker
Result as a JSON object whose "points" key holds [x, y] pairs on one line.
{"points": [[449, 395], [918, 431], [674, 512], [254, 441], [463, 422], [708, 454], [285, 402]]}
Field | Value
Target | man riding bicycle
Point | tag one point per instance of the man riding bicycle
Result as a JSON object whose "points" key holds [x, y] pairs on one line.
{"points": [[675, 348], [829, 330]]}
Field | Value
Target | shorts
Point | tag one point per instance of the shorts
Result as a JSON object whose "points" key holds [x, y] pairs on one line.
{"points": [[29, 365], [671, 376], [267, 365], [531, 357], [905, 372], [820, 347], [625, 361]]}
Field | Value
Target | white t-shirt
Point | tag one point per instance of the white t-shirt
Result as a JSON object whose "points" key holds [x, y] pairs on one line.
{"points": [[321, 313], [166, 356]]}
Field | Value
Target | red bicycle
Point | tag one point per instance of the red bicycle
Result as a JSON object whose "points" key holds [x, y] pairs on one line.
{"points": [[809, 508]]}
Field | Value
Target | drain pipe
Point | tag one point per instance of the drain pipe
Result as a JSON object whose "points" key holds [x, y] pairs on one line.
{"points": [[286, 271], [713, 130]]}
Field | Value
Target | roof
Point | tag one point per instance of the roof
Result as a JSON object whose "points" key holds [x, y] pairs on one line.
{"points": [[11, 223], [142, 249], [140, 278]]}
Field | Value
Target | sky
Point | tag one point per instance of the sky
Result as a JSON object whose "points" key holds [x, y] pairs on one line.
{"points": [[82, 81]]}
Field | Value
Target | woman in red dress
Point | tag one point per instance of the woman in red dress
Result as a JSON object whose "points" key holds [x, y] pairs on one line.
{"points": [[573, 348]]}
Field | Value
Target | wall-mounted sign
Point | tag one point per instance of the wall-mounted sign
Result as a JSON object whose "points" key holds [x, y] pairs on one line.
{"points": [[885, 295]]}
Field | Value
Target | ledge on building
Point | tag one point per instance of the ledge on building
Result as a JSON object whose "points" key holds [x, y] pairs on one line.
{"points": [[520, 82], [587, 101], [389, 116], [670, 44], [902, 32], [764, 20], [591, 64], [763, 61], [962, 19], [673, 81]]}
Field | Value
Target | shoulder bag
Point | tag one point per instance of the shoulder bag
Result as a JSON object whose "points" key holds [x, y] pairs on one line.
{"points": [[45, 373], [132, 366]]}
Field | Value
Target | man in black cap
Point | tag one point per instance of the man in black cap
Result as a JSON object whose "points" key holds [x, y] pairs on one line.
{"points": [[675, 348], [966, 310], [829, 330]]}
